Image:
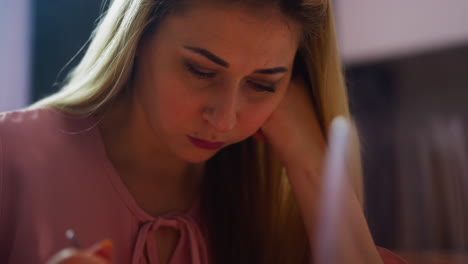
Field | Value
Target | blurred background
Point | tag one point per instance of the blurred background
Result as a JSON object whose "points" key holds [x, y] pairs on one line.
{"points": [[406, 64]]}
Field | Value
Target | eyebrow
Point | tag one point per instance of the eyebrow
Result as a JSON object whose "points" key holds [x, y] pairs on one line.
{"points": [[217, 60]]}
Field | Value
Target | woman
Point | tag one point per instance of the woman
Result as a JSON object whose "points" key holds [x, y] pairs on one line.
{"points": [[149, 143]]}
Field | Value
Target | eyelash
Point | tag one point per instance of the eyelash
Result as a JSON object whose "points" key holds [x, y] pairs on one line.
{"points": [[205, 75], [197, 73]]}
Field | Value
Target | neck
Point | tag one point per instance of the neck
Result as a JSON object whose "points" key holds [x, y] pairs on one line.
{"points": [[158, 180]]}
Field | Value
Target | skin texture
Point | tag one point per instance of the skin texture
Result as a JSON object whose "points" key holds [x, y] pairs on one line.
{"points": [[171, 101], [178, 92], [226, 107]]}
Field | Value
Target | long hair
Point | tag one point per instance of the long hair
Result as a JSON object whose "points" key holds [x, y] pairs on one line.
{"points": [[249, 210]]}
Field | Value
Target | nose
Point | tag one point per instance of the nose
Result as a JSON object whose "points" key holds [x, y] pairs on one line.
{"points": [[221, 111]]}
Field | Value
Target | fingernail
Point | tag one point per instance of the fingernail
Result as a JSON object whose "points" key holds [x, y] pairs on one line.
{"points": [[107, 244], [103, 249]]}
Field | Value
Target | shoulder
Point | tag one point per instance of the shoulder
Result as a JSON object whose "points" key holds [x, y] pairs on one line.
{"points": [[16, 128], [39, 146], [25, 126], [37, 149], [17, 121], [21, 132], [29, 127], [37, 136]]}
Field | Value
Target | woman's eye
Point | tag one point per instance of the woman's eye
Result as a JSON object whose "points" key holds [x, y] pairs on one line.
{"points": [[198, 73], [205, 75], [262, 88]]}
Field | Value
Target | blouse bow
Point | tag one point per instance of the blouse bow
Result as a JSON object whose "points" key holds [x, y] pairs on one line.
{"points": [[190, 235]]}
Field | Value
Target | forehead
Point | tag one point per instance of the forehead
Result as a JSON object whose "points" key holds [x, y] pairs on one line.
{"points": [[235, 33]]}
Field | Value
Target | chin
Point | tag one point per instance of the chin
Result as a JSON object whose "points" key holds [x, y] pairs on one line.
{"points": [[199, 157]]}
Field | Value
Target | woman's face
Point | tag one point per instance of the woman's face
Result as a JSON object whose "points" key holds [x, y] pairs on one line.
{"points": [[211, 77]]}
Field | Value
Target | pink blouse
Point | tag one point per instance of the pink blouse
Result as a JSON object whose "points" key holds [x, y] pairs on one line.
{"points": [[55, 175]]}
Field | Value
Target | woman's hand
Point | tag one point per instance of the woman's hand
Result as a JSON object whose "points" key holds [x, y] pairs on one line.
{"points": [[295, 135], [293, 130], [101, 253]]}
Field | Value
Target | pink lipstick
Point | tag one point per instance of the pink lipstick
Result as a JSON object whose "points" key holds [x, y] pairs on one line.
{"points": [[205, 144]]}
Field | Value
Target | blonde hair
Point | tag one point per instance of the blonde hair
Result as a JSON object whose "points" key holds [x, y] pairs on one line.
{"points": [[251, 217]]}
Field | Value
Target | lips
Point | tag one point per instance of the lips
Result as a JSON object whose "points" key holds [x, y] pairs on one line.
{"points": [[205, 144]]}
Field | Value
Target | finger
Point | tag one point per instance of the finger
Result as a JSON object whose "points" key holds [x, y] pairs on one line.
{"points": [[102, 249], [85, 258], [62, 255], [74, 256]]}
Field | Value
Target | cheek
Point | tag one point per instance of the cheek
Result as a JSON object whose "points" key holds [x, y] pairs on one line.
{"points": [[168, 104], [252, 119], [176, 104]]}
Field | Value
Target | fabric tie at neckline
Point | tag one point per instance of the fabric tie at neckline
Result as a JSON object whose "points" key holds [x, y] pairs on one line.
{"points": [[189, 234]]}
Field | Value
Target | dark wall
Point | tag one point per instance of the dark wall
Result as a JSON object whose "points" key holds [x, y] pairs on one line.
{"points": [[397, 103], [373, 93], [60, 29]]}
